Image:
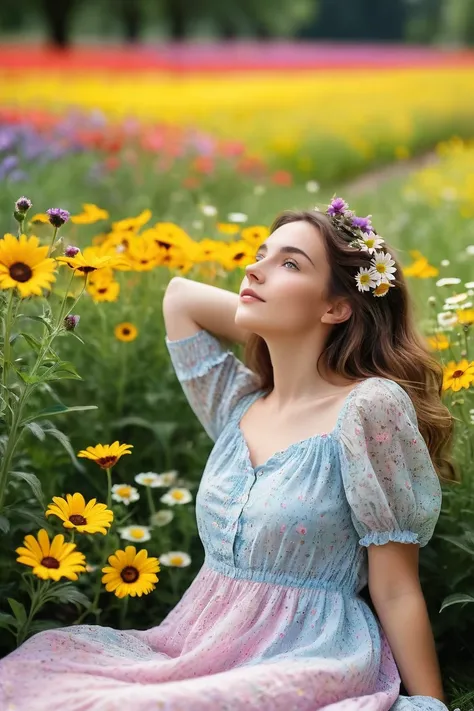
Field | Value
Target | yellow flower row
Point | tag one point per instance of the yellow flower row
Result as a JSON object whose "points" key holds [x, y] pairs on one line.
{"points": [[357, 109]]}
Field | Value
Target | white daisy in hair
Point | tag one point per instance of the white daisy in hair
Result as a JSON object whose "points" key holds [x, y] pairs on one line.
{"points": [[365, 280], [137, 534], [125, 493], [382, 267], [175, 559], [149, 479], [161, 518], [370, 243], [177, 495]]}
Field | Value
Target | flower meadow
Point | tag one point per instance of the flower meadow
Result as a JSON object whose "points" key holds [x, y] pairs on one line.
{"points": [[100, 455]]}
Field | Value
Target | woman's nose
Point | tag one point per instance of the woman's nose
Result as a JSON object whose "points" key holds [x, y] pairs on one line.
{"points": [[254, 271]]}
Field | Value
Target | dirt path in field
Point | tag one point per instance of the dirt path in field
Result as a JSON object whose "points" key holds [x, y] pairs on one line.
{"points": [[373, 178]]}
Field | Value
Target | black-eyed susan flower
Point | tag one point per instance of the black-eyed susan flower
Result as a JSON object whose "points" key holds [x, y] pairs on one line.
{"points": [[125, 332], [51, 560], [89, 261], [255, 235], [106, 455], [104, 290], [84, 518], [228, 228], [458, 375], [136, 534], [130, 573], [177, 495], [125, 494], [90, 214], [25, 265], [175, 559], [438, 342]]}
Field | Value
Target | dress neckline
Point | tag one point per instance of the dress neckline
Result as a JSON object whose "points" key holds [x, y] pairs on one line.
{"points": [[253, 397]]}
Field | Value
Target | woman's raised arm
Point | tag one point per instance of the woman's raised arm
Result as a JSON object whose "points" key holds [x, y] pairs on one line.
{"points": [[189, 306]]}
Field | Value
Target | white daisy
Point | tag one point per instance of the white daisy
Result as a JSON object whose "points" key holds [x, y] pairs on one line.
{"points": [[470, 249], [161, 518], [177, 496], [447, 320], [149, 479], [135, 533], [469, 285], [370, 242], [125, 493], [448, 281], [168, 478], [382, 267], [445, 262], [365, 280], [176, 559], [237, 217], [312, 186], [209, 210], [456, 299]]}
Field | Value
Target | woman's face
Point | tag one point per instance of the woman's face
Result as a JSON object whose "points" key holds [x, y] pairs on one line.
{"points": [[290, 275]]}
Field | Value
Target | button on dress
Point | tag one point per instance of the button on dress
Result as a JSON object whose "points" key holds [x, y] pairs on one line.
{"points": [[273, 621]]}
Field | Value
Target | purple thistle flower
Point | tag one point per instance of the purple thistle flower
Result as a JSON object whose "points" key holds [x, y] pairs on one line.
{"points": [[70, 322], [22, 205], [337, 207], [57, 216], [362, 223], [71, 250]]}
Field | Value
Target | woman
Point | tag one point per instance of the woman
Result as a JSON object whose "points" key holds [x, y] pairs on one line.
{"points": [[323, 477]]}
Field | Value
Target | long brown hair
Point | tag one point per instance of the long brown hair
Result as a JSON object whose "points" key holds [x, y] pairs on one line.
{"points": [[379, 339]]}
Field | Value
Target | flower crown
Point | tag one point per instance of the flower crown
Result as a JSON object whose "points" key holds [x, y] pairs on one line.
{"points": [[364, 238]]}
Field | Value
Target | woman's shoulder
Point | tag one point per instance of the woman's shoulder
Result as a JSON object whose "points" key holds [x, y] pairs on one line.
{"points": [[377, 393]]}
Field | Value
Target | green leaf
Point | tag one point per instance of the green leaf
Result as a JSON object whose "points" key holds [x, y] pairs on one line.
{"points": [[459, 543], [36, 430], [42, 319], [30, 515], [455, 599], [32, 341], [57, 410], [4, 524], [35, 484], [64, 441], [7, 621], [18, 610], [26, 377], [69, 593]]}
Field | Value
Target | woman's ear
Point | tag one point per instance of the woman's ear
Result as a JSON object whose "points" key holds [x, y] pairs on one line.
{"points": [[339, 312]]}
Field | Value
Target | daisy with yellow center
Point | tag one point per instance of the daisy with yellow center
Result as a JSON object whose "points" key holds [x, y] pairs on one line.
{"points": [[177, 496], [175, 559], [25, 265], [51, 560], [106, 455], [365, 279], [124, 493], [76, 514], [135, 533], [458, 375], [149, 479], [370, 242], [130, 573], [125, 332]]}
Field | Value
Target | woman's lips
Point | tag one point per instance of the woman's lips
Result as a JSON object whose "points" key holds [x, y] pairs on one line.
{"points": [[247, 298]]}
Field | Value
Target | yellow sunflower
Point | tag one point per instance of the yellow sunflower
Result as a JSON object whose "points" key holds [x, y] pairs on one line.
{"points": [[458, 375], [104, 290], [255, 235], [51, 560], [88, 261], [25, 265], [85, 518], [106, 455], [130, 573], [125, 332], [465, 317], [132, 223], [438, 342], [228, 228]]}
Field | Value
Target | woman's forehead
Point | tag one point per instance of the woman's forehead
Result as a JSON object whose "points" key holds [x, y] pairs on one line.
{"points": [[298, 234]]}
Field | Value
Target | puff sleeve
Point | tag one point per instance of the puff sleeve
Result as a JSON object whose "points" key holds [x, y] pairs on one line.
{"points": [[389, 479], [213, 378]]}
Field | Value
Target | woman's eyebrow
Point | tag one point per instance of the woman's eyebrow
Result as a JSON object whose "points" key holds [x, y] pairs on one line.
{"points": [[287, 250]]}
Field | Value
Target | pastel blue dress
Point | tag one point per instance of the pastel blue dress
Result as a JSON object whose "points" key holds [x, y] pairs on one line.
{"points": [[273, 621]]}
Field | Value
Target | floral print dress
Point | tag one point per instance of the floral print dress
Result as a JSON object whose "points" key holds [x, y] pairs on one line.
{"points": [[273, 621]]}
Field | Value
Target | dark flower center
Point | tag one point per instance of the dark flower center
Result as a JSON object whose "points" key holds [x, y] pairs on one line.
{"points": [[126, 331], [106, 462], [50, 562], [129, 574], [78, 520], [238, 256], [166, 245], [458, 373], [103, 290], [20, 272], [86, 270]]}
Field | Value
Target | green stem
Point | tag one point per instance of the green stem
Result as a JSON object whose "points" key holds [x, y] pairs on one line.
{"points": [[123, 613], [52, 241], [150, 501], [7, 324], [63, 303], [122, 378], [109, 487], [38, 599]]}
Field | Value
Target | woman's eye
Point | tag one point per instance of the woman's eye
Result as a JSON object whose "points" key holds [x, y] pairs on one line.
{"points": [[288, 261]]}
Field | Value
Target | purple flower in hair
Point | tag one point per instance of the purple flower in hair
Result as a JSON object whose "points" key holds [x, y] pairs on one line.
{"points": [[337, 207], [362, 223], [57, 217]]}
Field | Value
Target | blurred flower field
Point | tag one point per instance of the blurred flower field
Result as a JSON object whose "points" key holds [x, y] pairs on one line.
{"points": [[101, 456]]}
